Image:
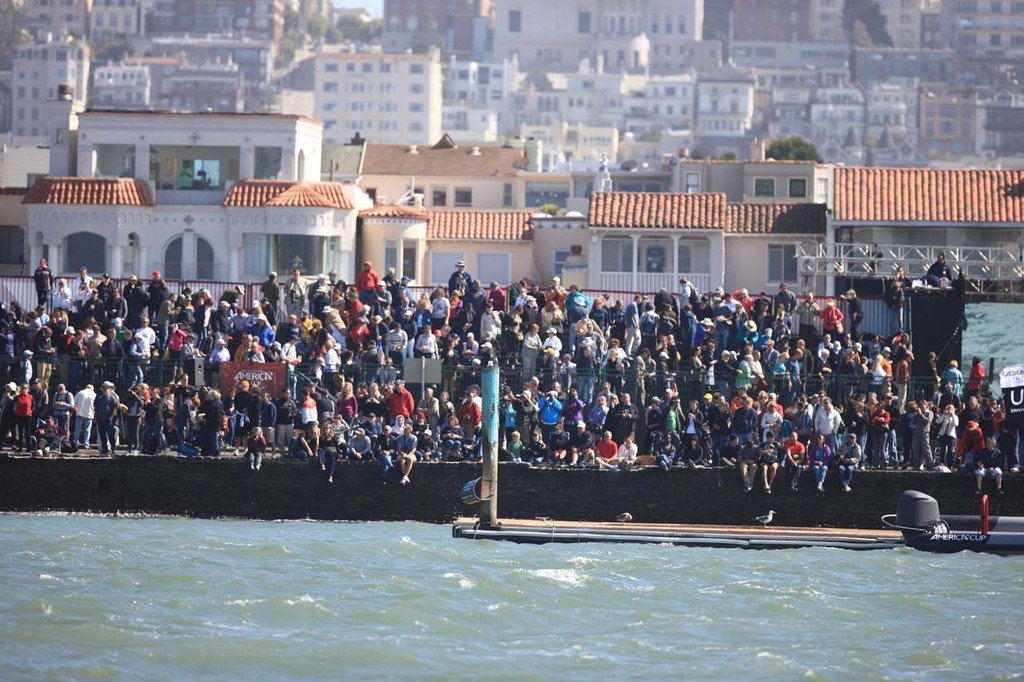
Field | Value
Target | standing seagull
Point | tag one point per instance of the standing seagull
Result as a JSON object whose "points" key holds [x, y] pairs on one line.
{"points": [[766, 518], [624, 517]]}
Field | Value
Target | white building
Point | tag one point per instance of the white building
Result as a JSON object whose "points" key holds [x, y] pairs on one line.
{"points": [[834, 112], [39, 68], [725, 102], [892, 105], [633, 34], [388, 98], [470, 123], [70, 16], [196, 196], [121, 86]]}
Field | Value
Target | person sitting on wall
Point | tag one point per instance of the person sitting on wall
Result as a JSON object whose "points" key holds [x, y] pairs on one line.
{"points": [[747, 458], [938, 271], [988, 462], [581, 444]]}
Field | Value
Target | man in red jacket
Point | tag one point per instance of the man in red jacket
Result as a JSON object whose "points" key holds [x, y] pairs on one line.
{"points": [[401, 401], [366, 283]]}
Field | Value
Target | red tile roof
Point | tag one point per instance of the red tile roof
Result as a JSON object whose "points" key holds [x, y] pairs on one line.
{"points": [[480, 225], [777, 218], [658, 210], [911, 195], [442, 160], [664, 210], [394, 211], [287, 193], [103, 191]]}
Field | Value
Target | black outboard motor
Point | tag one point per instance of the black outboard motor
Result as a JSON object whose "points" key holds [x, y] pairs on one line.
{"points": [[917, 510]]}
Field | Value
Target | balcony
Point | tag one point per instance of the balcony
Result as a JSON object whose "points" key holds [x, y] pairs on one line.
{"points": [[212, 196]]}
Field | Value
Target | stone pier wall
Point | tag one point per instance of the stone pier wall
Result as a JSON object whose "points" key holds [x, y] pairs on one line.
{"points": [[292, 490]]}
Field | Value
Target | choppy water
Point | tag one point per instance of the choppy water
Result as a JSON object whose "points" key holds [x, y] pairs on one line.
{"points": [[165, 598]]}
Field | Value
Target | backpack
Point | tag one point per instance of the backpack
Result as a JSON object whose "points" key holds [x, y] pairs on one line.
{"points": [[648, 323]]}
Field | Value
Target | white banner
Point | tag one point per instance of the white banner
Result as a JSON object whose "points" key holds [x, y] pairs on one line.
{"points": [[1012, 376]]}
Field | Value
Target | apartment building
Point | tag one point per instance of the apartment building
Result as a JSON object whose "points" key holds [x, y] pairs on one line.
{"points": [[904, 20], [947, 120], [772, 20], [984, 29], [725, 102], [255, 59], [38, 69], [253, 19], [619, 34], [120, 86], [388, 98], [463, 26], [56, 16], [123, 17]]}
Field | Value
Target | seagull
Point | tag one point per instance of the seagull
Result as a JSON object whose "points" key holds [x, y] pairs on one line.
{"points": [[766, 518], [624, 517]]}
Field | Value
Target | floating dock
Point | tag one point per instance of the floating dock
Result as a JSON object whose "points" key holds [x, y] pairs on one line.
{"points": [[544, 531]]}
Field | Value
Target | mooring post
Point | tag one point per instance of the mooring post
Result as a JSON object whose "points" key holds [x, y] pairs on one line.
{"points": [[489, 480]]}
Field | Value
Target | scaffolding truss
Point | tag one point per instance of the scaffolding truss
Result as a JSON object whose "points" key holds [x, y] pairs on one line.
{"points": [[990, 273]]}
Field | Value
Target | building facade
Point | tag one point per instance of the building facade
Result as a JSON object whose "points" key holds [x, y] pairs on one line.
{"points": [[629, 34], [196, 196], [39, 69], [388, 98], [464, 27]]}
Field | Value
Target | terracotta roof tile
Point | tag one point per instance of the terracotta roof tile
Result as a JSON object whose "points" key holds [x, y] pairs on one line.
{"points": [[911, 195], [703, 211], [659, 210], [793, 218], [394, 211], [396, 159], [101, 191], [480, 225], [287, 193]]}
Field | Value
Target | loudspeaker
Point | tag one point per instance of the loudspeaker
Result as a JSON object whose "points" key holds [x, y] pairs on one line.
{"points": [[196, 371], [936, 325]]}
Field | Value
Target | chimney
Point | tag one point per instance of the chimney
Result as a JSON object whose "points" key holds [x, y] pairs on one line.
{"points": [[413, 149], [475, 151], [417, 201], [534, 155], [62, 117]]}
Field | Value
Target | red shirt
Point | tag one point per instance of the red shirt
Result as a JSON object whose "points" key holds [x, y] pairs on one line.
{"points": [[23, 405], [606, 449], [366, 280], [402, 403]]}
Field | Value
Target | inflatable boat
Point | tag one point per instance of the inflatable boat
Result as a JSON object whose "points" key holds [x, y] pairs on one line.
{"points": [[917, 517]]}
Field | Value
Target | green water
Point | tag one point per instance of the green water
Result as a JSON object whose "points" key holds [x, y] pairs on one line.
{"points": [[169, 599]]}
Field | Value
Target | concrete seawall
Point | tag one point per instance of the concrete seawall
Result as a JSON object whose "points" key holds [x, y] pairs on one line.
{"points": [[293, 490]]}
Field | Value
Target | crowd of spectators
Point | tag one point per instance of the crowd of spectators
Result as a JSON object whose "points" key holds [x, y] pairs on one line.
{"points": [[770, 384]]}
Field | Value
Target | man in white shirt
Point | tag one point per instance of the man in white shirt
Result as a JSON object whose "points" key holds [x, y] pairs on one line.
{"points": [[827, 422], [85, 401]]}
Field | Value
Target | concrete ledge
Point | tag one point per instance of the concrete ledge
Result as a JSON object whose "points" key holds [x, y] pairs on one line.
{"points": [[284, 489]]}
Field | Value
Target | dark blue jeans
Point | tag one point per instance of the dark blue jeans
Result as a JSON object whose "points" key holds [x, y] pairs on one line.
{"points": [[105, 433], [385, 467]]}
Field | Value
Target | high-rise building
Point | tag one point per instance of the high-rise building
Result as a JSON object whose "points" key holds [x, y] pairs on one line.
{"points": [[40, 69], [387, 98]]}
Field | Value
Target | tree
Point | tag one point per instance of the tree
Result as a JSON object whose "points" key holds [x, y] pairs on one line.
{"points": [[359, 31], [867, 13], [792, 149], [724, 156], [426, 37], [10, 33], [111, 47]]}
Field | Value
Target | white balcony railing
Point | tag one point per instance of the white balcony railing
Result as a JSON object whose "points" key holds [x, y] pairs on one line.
{"points": [[649, 282]]}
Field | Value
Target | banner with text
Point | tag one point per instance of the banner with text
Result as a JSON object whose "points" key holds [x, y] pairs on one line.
{"points": [[1012, 381], [268, 377]]}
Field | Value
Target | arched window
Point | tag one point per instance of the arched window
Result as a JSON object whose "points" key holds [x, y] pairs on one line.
{"points": [[204, 259], [192, 265], [85, 250], [172, 259]]}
